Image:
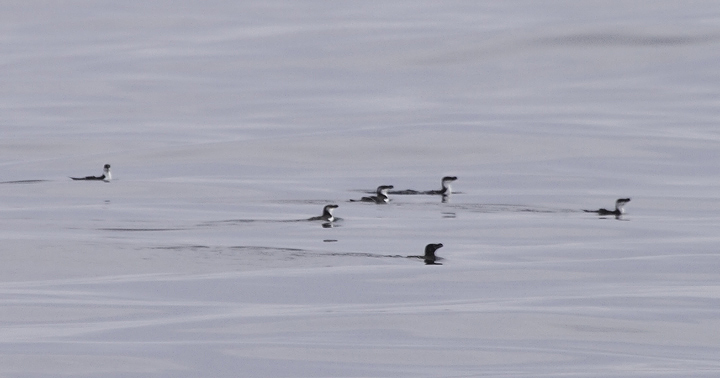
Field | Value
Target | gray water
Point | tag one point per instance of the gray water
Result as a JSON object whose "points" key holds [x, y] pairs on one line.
{"points": [[228, 124]]}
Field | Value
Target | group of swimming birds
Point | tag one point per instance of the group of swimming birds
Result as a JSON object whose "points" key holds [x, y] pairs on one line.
{"points": [[381, 197]]}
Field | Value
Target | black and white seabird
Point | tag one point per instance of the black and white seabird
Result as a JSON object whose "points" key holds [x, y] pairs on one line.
{"points": [[381, 197], [106, 176], [327, 214], [619, 208], [445, 190], [429, 257]]}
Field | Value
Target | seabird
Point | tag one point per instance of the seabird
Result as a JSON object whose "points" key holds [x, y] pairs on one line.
{"points": [[429, 257], [327, 214], [445, 190], [381, 197], [619, 208], [106, 176]]}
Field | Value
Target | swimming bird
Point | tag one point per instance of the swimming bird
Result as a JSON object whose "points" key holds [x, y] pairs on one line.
{"points": [[619, 208], [445, 190], [381, 197], [429, 257], [446, 181], [327, 214], [106, 176]]}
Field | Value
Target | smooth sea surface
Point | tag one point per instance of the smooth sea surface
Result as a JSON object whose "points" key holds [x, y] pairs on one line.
{"points": [[228, 124]]}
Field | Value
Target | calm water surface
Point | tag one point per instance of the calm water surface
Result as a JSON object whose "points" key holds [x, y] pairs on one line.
{"points": [[228, 125]]}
